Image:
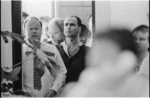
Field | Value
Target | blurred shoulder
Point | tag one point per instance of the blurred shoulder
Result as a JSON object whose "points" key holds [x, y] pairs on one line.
{"points": [[144, 69]]}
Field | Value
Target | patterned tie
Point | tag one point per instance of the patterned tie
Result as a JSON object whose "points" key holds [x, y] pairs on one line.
{"points": [[37, 78]]}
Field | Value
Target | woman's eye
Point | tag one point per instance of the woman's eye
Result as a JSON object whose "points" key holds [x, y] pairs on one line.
{"points": [[142, 39], [36, 28]]}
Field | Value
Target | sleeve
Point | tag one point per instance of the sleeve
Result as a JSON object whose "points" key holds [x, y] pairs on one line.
{"points": [[61, 72], [144, 69]]}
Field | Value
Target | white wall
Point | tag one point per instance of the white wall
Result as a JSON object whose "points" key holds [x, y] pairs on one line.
{"points": [[121, 13], [102, 14], [6, 49], [37, 7], [82, 9]]}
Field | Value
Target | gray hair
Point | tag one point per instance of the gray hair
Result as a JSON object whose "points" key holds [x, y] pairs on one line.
{"points": [[58, 22]]}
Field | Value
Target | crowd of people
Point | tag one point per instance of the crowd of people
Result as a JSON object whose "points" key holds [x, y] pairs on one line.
{"points": [[69, 63]]}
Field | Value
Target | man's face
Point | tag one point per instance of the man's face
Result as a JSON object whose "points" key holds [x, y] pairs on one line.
{"points": [[141, 40], [71, 28], [33, 29]]}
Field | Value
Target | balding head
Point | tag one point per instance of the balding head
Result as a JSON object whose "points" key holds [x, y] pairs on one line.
{"points": [[32, 28]]}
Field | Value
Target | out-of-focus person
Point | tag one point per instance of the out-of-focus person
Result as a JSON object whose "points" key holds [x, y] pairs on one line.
{"points": [[110, 71], [56, 31]]}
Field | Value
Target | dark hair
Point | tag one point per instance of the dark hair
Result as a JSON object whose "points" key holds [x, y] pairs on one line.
{"points": [[142, 28], [28, 18], [85, 31], [122, 37], [78, 20]]}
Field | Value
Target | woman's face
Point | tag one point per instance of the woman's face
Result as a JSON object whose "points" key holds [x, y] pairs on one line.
{"points": [[142, 40]]}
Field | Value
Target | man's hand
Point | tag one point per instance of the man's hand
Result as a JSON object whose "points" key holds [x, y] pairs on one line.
{"points": [[51, 93]]}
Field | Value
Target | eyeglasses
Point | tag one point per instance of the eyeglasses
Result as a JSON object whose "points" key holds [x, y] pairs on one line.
{"points": [[54, 33]]}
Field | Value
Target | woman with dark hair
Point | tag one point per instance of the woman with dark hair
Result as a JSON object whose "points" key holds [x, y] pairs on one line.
{"points": [[84, 35], [141, 38]]}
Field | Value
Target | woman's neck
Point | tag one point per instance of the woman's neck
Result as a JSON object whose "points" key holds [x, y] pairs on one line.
{"points": [[142, 55]]}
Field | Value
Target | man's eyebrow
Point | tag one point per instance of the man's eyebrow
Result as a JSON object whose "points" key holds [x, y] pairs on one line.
{"points": [[38, 25], [72, 23]]}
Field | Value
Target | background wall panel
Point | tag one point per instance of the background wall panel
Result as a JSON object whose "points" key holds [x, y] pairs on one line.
{"points": [[82, 9], [6, 25], [121, 13]]}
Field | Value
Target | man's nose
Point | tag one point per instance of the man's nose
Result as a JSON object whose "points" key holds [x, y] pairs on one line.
{"points": [[68, 26], [34, 31]]}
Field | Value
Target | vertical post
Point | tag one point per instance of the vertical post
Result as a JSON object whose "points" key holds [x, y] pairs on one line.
{"points": [[93, 17], [16, 46]]}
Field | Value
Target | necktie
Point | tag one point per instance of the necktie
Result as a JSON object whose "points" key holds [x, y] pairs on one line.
{"points": [[37, 78]]}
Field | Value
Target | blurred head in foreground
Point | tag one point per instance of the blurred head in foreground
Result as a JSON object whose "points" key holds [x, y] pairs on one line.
{"points": [[109, 44], [110, 68]]}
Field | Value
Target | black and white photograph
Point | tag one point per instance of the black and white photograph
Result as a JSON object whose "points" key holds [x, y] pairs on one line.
{"points": [[74, 48]]}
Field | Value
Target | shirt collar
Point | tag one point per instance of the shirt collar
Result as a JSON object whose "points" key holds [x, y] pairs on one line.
{"points": [[27, 49], [65, 47]]}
